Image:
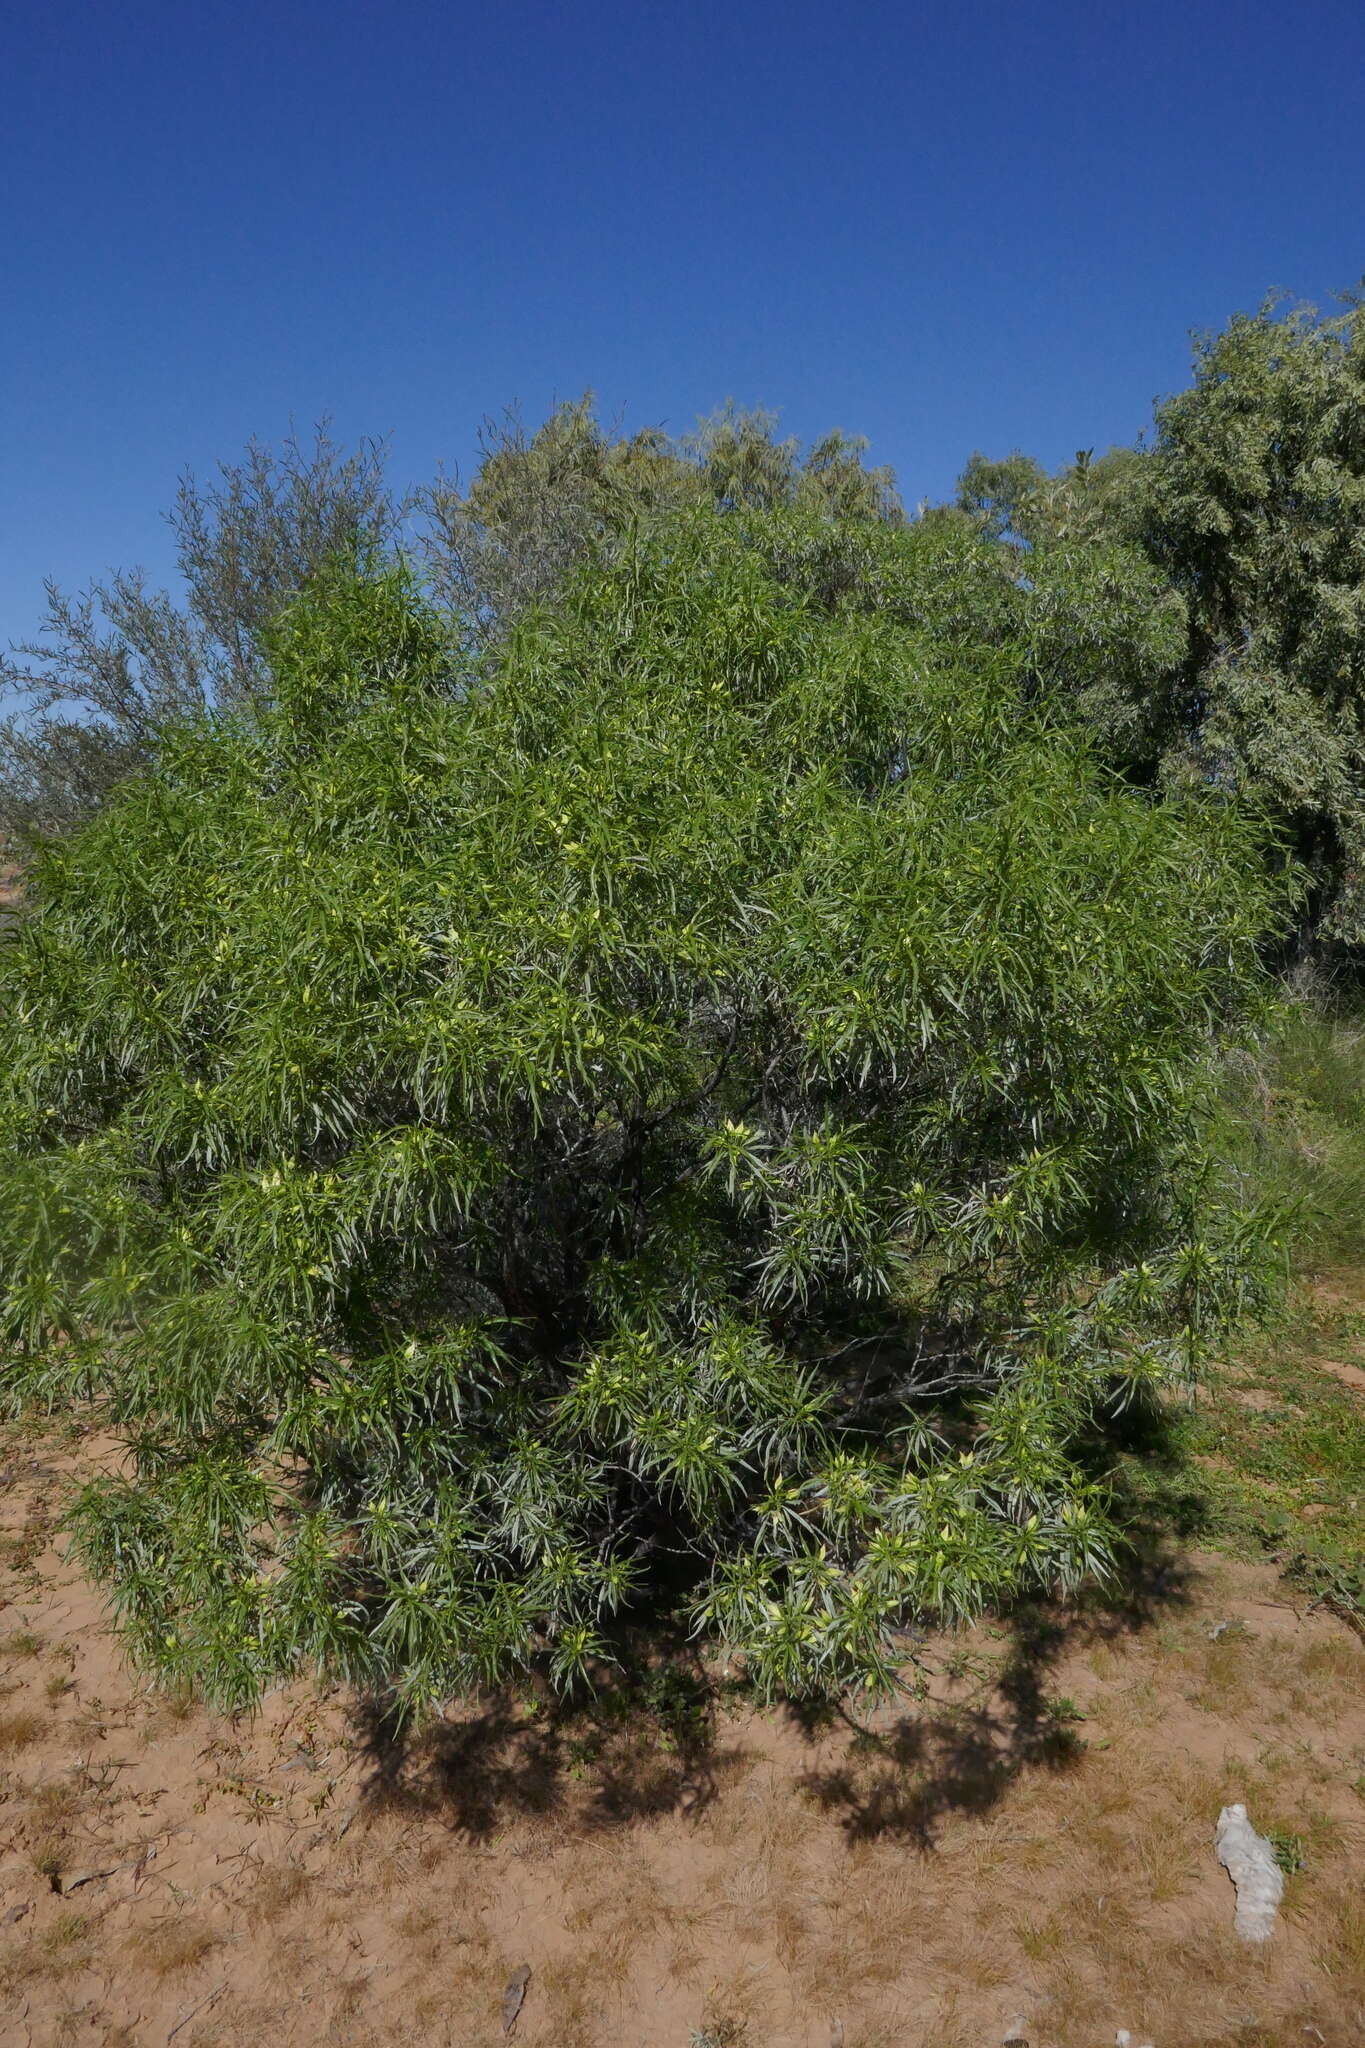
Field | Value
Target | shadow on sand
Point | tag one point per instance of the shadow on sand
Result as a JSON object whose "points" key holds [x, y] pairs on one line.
{"points": [[649, 1742], [643, 1745]]}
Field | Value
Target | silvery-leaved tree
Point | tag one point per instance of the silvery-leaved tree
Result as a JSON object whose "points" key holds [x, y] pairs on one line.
{"points": [[86, 703], [711, 1099], [1252, 503]]}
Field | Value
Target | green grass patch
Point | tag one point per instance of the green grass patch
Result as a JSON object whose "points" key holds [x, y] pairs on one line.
{"points": [[1268, 1458], [1294, 1127], [1267, 1461]]}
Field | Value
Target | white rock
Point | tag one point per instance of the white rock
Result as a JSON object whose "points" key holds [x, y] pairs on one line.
{"points": [[1250, 1862]]}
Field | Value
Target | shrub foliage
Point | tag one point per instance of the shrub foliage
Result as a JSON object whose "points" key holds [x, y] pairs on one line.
{"points": [[706, 1107]]}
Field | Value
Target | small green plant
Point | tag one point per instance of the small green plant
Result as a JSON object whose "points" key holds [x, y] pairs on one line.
{"points": [[1337, 1582], [1287, 1849], [680, 1703]]}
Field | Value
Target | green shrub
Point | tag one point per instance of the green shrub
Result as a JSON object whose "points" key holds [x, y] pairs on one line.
{"points": [[710, 1108]]}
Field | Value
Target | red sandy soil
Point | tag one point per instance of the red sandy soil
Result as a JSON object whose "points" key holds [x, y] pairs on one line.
{"points": [[1033, 1839]]}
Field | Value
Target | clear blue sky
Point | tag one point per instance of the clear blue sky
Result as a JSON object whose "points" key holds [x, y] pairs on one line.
{"points": [[942, 226]]}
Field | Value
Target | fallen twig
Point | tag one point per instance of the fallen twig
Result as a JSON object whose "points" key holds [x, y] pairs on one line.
{"points": [[187, 2017]]}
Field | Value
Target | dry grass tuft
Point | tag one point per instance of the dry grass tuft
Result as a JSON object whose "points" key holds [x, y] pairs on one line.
{"points": [[21, 1728], [171, 1946], [279, 1887], [67, 1931], [65, 1945], [1340, 1950]]}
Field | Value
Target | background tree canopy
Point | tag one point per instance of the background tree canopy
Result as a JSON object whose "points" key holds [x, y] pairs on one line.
{"points": [[700, 1098], [1249, 504], [1198, 600], [119, 664]]}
